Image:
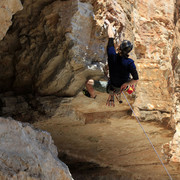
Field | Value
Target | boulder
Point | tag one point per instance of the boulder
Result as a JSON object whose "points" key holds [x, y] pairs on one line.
{"points": [[28, 153]]}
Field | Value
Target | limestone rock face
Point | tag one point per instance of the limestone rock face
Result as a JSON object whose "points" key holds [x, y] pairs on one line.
{"points": [[174, 151], [27, 153], [53, 47], [7, 9], [154, 33], [175, 143], [57, 48]]}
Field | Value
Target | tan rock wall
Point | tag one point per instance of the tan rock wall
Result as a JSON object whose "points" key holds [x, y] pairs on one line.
{"points": [[153, 28], [7, 9], [53, 47], [59, 45], [175, 143], [56, 48]]}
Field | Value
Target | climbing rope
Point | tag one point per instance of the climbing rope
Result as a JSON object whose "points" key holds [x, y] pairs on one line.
{"points": [[148, 137]]}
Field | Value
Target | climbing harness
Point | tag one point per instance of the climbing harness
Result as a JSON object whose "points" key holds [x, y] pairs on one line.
{"points": [[114, 91], [110, 100], [147, 137]]}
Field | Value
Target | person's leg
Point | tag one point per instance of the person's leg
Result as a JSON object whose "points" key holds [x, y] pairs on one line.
{"points": [[90, 88]]}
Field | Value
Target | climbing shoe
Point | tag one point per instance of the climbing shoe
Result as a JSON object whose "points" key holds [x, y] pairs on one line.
{"points": [[86, 93]]}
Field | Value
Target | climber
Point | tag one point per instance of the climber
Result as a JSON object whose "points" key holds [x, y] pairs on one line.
{"points": [[120, 67]]}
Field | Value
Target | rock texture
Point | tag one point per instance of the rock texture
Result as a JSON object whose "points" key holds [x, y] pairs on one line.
{"points": [[154, 34], [53, 47], [110, 138], [27, 153], [31, 109], [7, 9], [58, 52], [57, 48], [175, 143]]}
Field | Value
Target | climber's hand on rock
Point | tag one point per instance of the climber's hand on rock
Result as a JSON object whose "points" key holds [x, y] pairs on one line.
{"points": [[112, 19], [107, 22]]}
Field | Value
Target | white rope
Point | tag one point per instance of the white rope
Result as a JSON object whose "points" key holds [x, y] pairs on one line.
{"points": [[148, 138]]}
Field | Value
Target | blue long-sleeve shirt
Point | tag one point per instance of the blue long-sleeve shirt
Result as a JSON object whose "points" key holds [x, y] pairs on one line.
{"points": [[120, 67]]}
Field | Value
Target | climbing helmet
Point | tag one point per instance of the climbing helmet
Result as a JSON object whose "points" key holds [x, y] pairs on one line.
{"points": [[126, 47]]}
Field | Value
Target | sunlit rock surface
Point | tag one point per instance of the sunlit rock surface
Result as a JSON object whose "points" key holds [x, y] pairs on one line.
{"points": [[7, 9], [154, 34], [27, 153], [53, 47]]}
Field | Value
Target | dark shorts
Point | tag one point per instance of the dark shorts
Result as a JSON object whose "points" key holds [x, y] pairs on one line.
{"points": [[110, 89]]}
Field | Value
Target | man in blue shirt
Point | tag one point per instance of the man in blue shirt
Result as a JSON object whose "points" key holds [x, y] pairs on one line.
{"points": [[120, 67]]}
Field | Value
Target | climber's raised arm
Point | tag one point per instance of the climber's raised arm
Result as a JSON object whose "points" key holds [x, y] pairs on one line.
{"points": [[110, 29], [110, 47]]}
